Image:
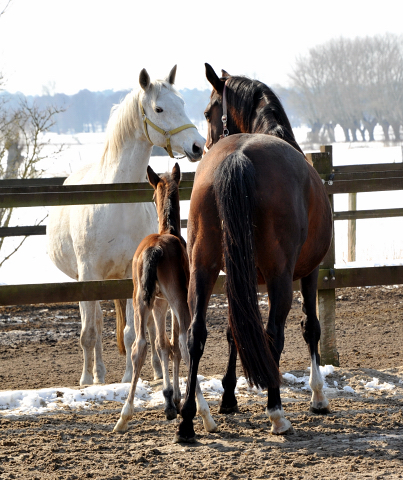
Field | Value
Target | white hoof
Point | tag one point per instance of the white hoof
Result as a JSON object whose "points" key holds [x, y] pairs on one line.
{"points": [[280, 425]]}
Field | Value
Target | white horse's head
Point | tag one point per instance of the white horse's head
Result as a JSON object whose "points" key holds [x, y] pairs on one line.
{"points": [[165, 122]]}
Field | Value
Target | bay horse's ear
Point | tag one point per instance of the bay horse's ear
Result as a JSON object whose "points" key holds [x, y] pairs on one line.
{"points": [[176, 173], [152, 177], [144, 79], [213, 78], [172, 75], [225, 74]]}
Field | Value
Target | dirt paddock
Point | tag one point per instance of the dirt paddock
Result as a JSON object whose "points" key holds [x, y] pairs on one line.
{"points": [[361, 438]]}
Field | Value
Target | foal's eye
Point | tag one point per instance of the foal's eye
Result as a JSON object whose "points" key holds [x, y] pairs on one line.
{"points": [[158, 109]]}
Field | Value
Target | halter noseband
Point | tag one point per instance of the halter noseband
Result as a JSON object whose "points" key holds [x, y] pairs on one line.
{"points": [[166, 134]]}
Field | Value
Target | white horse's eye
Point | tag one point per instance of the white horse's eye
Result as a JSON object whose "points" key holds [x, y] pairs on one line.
{"points": [[159, 109]]}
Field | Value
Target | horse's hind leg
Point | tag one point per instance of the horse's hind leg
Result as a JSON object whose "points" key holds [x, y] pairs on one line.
{"points": [[311, 333], [229, 402], [138, 356], [91, 343], [280, 296], [155, 359], [164, 347]]}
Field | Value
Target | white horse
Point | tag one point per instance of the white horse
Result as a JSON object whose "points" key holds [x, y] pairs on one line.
{"points": [[97, 242]]}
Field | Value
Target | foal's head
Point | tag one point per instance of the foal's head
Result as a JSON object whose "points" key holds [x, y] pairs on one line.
{"points": [[166, 198], [252, 107]]}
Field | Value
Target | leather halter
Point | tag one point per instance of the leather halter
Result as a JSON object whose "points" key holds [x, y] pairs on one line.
{"points": [[224, 118], [167, 134]]}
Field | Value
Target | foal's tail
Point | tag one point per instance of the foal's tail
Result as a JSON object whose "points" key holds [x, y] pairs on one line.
{"points": [[151, 258], [234, 187], [120, 309]]}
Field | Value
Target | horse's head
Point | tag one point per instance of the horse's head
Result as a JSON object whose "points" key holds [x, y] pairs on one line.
{"points": [[241, 105], [166, 198], [165, 122], [218, 125]]}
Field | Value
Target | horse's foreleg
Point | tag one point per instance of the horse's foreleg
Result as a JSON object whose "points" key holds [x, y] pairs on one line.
{"points": [[164, 347], [311, 332], [228, 401], [155, 359], [91, 343], [138, 356], [128, 339], [280, 295], [176, 351]]}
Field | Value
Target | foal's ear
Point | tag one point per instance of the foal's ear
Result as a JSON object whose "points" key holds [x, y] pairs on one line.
{"points": [[176, 173], [144, 79], [225, 74], [172, 74], [213, 78], [153, 178]]}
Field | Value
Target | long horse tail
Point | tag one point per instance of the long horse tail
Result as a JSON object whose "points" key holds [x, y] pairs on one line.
{"points": [[234, 187], [120, 308], [151, 258]]}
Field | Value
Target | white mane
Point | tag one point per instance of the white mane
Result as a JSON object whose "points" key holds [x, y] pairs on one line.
{"points": [[125, 117]]}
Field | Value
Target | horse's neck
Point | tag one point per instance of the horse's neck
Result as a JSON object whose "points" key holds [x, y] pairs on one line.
{"points": [[129, 167], [169, 219]]}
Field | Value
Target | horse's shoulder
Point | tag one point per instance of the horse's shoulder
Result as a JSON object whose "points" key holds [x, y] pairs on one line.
{"points": [[77, 177]]}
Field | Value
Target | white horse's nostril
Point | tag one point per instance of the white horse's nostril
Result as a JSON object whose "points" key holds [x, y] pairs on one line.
{"points": [[196, 149]]}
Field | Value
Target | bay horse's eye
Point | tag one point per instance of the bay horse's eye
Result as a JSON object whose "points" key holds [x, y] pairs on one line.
{"points": [[159, 109], [207, 116]]}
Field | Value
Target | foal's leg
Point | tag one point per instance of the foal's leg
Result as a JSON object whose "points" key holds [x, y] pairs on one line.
{"points": [[164, 347], [176, 359], [311, 332], [138, 355], [280, 296], [155, 359], [91, 343], [229, 402]]}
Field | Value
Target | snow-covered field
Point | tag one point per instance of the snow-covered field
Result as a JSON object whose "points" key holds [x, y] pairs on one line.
{"points": [[379, 241], [31, 402]]}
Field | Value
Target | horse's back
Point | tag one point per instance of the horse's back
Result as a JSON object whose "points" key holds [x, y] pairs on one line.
{"points": [[292, 212]]}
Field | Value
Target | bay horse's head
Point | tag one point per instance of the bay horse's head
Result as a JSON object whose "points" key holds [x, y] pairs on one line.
{"points": [[166, 198], [165, 122], [241, 105]]}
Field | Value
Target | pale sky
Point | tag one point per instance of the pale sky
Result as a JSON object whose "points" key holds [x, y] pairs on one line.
{"points": [[98, 44]]}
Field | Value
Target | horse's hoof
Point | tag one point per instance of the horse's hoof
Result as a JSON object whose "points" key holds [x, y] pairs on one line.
{"points": [[319, 409], [289, 431], [171, 413], [179, 439], [233, 409]]}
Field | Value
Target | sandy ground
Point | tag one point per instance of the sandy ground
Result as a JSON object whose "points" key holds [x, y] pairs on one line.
{"points": [[361, 438]]}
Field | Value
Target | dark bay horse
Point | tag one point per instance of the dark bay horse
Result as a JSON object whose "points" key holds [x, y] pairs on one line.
{"points": [[259, 212], [160, 280]]}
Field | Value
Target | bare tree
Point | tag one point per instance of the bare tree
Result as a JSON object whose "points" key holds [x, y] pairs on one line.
{"points": [[355, 83]]}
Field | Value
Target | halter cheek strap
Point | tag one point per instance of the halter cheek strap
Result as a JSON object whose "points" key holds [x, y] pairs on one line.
{"points": [[224, 118], [167, 134]]}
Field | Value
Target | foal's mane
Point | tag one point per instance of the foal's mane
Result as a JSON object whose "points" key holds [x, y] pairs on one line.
{"points": [[259, 109], [125, 117], [171, 206]]}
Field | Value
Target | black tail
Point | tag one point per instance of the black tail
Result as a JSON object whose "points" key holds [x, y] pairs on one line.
{"points": [[234, 186], [151, 258]]}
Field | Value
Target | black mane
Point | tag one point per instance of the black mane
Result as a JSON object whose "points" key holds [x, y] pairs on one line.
{"points": [[260, 108]]}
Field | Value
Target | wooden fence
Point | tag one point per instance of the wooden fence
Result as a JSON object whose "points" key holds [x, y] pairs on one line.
{"points": [[343, 179]]}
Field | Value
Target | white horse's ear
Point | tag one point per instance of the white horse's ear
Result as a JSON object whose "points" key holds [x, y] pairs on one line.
{"points": [[176, 173], [213, 78], [172, 75], [144, 79], [152, 177]]}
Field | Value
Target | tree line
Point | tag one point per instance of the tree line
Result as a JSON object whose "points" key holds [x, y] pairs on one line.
{"points": [[354, 83]]}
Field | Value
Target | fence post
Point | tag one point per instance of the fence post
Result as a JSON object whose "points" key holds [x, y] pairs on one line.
{"points": [[326, 299], [352, 229]]}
